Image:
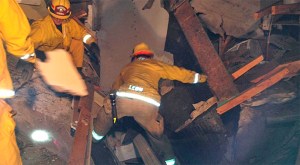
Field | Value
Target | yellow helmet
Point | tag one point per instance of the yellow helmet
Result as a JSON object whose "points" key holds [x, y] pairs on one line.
{"points": [[142, 49], [60, 9]]}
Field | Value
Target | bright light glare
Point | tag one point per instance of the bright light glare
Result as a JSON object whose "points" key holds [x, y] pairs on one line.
{"points": [[40, 136], [170, 162]]}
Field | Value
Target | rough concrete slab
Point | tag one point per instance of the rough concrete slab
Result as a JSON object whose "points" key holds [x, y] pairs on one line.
{"points": [[234, 18], [123, 25]]}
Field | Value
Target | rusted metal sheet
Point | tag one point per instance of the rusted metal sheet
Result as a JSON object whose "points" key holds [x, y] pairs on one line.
{"points": [[80, 154], [219, 80]]}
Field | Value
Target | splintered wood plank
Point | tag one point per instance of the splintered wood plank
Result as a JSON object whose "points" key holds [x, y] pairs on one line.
{"points": [[285, 9], [80, 153], [262, 85], [265, 11], [247, 67], [293, 67]]}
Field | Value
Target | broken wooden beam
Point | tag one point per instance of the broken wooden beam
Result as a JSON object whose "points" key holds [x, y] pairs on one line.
{"points": [[264, 84], [278, 8], [293, 67], [265, 11], [286, 9], [200, 108], [204, 50], [80, 153]]}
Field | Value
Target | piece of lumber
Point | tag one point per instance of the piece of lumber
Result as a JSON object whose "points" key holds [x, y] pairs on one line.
{"points": [[200, 108], [247, 67], [285, 9], [265, 11], [76, 111], [145, 151], [294, 68], [259, 87], [80, 147]]}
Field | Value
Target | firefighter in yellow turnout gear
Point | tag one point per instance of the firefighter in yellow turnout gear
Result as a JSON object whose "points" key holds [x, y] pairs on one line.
{"points": [[137, 96], [59, 31], [14, 31]]}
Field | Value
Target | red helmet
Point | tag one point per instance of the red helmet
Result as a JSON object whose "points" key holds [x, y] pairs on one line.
{"points": [[60, 9]]}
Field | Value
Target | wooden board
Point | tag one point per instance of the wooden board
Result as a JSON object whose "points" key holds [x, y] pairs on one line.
{"points": [[247, 67], [264, 84], [80, 153]]}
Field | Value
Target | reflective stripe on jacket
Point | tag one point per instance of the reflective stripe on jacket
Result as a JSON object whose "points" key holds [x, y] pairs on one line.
{"points": [[14, 31], [47, 37], [142, 76]]}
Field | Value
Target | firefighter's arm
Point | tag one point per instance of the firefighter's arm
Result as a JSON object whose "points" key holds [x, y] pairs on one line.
{"points": [[79, 32], [181, 74], [15, 30]]}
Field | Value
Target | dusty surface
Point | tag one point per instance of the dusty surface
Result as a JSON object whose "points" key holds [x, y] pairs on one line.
{"points": [[123, 25], [39, 108]]}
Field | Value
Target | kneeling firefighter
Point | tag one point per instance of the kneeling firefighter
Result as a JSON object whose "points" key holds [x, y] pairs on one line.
{"points": [[137, 96]]}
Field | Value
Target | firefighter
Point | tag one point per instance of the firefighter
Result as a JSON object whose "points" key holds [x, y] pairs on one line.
{"points": [[58, 31], [14, 31], [137, 96]]}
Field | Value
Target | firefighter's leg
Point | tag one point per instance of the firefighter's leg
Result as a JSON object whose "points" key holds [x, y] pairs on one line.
{"points": [[102, 123], [10, 153], [77, 52], [144, 113], [148, 117], [153, 122]]}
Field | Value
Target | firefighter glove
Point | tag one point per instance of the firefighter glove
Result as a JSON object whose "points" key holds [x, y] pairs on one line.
{"points": [[40, 55], [26, 70], [202, 78]]}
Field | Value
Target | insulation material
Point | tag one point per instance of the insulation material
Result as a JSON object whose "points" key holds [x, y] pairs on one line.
{"points": [[123, 25], [59, 72]]}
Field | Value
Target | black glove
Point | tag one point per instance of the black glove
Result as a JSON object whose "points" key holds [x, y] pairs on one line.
{"points": [[26, 70], [40, 55], [95, 52]]}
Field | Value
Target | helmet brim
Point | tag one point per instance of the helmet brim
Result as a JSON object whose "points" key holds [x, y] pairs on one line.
{"points": [[143, 52]]}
